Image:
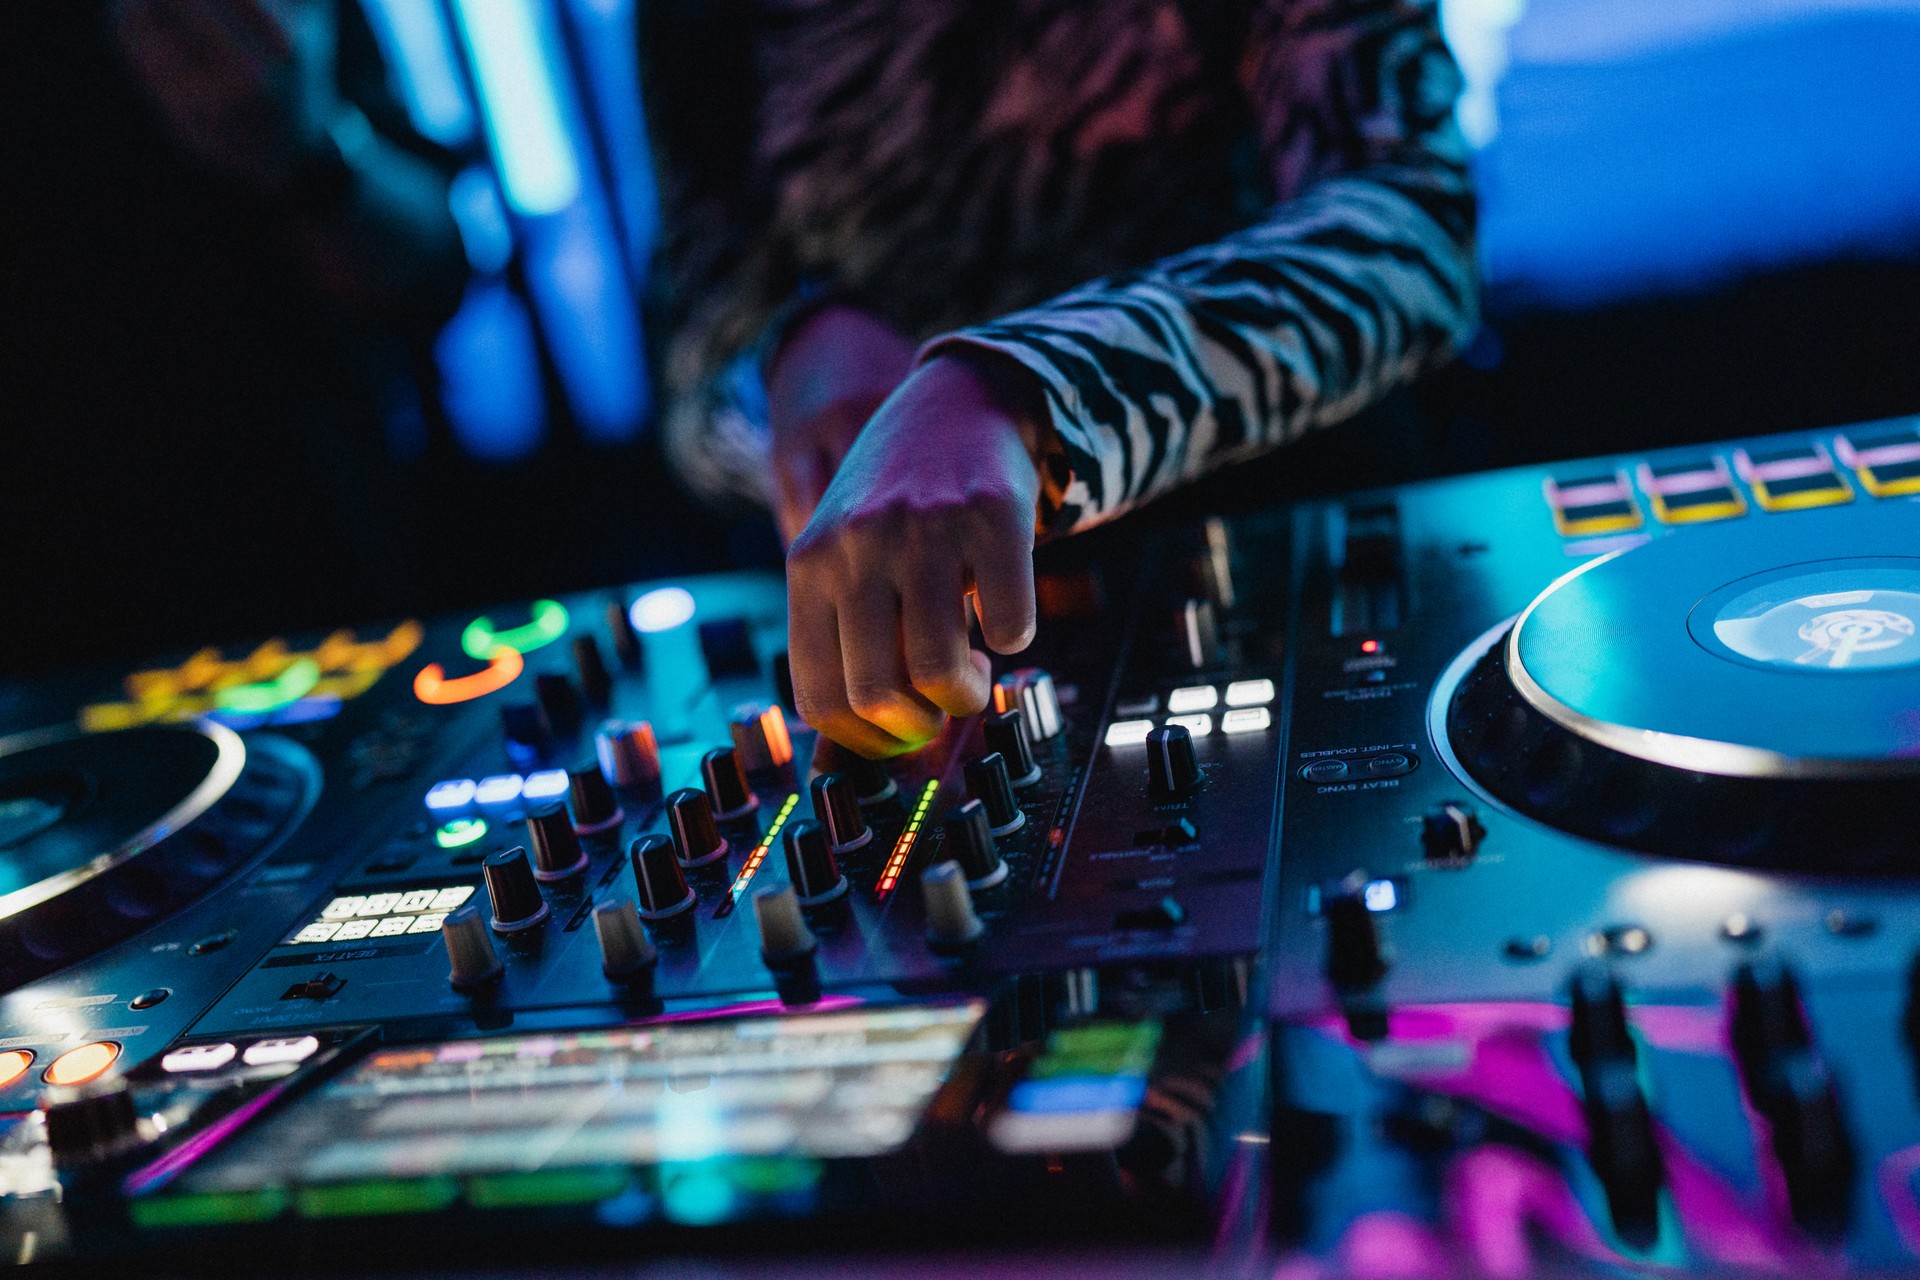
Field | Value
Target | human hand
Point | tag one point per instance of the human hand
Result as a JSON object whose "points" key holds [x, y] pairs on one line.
{"points": [[934, 502], [247, 86], [831, 373]]}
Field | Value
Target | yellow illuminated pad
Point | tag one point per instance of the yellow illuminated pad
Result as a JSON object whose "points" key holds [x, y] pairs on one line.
{"points": [[1692, 492], [1587, 505], [1887, 460], [1793, 479]]}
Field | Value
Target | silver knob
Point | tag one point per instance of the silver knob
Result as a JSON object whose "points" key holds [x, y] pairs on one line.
{"points": [[951, 921], [471, 958], [625, 948], [784, 935]]}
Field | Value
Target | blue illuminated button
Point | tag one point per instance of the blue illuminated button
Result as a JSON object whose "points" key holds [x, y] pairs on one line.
{"points": [[1324, 771], [662, 609], [547, 784], [454, 794], [501, 789], [1077, 1093]]}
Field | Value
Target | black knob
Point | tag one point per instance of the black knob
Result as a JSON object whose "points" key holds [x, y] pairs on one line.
{"points": [[1173, 771], [590, 795], [91, 1123], [783, 682], [1789, 1083], [838, 809], [726, 784], [1356, 958], [591, 669], [514, 892], [969, 842], [811, 865], [872, 782], [1451, 833], [1006, 733], [1599, 1030], [696, 837], [987, 782], [556, 848], [525, 725], [559, 699], [662, 886], [626, 641]]}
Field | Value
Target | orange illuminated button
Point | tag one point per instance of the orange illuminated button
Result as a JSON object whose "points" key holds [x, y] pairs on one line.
{"points": [[432, 687], [77, 1066], [13, 1065]]}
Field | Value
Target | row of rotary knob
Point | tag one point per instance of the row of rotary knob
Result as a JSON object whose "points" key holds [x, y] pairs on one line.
{"points": [[660, 864]]}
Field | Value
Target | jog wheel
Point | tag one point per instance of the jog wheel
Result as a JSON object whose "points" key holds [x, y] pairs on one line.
{"points": [[1747, 694], [103, 834]]}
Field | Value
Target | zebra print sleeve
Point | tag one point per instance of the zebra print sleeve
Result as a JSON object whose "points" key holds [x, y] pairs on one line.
{"points": [[1360, 277]]}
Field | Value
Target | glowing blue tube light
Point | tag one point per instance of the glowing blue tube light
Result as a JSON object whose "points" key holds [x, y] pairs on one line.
{"points": [[520, 102], [418, 47]]}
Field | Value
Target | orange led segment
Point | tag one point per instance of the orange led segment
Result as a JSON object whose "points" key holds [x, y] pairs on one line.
{"points": [[13, 1065], [773, 723], [432, 687], [77, 1066], [903, 847]]}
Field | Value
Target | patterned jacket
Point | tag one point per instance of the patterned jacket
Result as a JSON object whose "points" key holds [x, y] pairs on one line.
{"points": [[1206, 226]]}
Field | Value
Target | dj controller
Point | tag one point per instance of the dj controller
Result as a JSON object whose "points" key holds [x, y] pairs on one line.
{"points": [[1504, 873]]}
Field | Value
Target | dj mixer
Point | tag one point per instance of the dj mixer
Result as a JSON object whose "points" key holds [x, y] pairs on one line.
{"points": [[1502, 873]]}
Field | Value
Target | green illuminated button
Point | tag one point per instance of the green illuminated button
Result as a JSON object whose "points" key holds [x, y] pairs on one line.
{"points": [[548, 623], [460, 832]]}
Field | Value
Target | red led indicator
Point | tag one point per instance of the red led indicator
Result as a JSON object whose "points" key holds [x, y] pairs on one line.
{"points": [[1369, 646]]}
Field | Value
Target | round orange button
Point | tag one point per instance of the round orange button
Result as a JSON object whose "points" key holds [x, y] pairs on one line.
{"points": [[77, 1066], [13, 1065]]}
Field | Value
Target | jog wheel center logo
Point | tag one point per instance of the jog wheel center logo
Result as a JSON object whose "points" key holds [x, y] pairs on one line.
{"points": [[1786, 625]]}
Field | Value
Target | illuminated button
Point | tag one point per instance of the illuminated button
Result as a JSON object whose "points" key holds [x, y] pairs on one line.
{"points": [[662, 609], [548, 622], [198, 1057], [317, 933], [1128, 733], [378, 904], [1198, 697], [460, 833], [1246, 720], [432, 687], [1390, 764], [501, 789], [1381, 895], [13, 1065], [1792, 479], [267, 1053], [342, 908], [1199, 726], [456, 793], [77, 1066], [1592, 504], [1250, 693], [448, 899], [547, 784], [1692, 492], [1887, 462]]}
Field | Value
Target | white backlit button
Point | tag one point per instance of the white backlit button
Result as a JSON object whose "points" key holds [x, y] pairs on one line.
{"points": [[1198, 726], [418, 900], [317, 932], [429, 923], [1249, 693], [342, 909], [198, 1057], [353, 929], [1246, 720], [1128, 733], [377, 904], [392, 926], [267, 1053], [502, 788], [1195, 697], [448, 899], [456, 793], [548, 784]]}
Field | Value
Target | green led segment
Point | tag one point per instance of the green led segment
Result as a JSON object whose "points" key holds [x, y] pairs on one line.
{"points": [[284, 689], [548, 623], [460, 833], [366, 1199], [209, 1209], [758, 856], [902, 847]]}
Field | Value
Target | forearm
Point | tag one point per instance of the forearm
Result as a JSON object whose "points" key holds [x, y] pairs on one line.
{"points": [[1156, 377]]}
